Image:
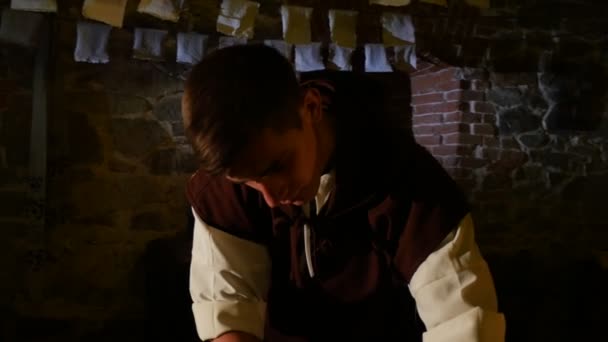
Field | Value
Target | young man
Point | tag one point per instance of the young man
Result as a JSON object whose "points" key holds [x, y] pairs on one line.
{"points": [[318, 219]]}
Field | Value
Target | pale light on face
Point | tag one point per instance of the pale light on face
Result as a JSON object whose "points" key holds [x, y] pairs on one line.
{"points": [[283, 166]]}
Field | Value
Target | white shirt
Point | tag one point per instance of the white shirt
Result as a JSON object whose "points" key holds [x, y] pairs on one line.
{"points": [[453, 287]]}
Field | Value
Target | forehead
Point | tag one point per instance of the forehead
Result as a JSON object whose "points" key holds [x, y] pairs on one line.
{"points": [[263, 149]]}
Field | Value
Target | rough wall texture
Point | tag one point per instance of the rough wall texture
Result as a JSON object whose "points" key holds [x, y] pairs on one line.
{"points": [[520, 123]]}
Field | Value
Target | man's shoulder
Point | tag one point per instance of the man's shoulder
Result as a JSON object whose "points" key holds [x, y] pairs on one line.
{"points": [[233, 208]]}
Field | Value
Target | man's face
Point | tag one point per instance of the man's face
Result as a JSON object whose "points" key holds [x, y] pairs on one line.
{"points": [[284, 166]]}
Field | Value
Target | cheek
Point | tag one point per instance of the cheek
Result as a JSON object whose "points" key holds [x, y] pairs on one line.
{"points": [[307, 164]]}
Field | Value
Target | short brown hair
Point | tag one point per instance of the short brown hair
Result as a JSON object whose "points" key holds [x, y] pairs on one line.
{"points": [[234, 93]]}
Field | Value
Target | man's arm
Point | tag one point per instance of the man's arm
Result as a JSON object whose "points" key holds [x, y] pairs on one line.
{"points": [[455, 294], [228, 280]]}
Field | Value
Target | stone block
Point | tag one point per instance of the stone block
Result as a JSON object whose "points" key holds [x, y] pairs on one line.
{"points": [[505, 97], [13, 204], [533, 140], [84, 143], [517, 120], [169, 108], [138, 137]]}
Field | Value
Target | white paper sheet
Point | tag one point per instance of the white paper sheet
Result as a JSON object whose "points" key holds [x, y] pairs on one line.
{"points": [[308, 57], [92, 42], [397, 29], [340, 57], [390, 2], [237, 18], [163, 9], [343, 27], [190, 47], [34, 5], [111, 12], [230, 41], [282, 46], [405, 56], [20, 27], [376, 59], [148, 44], [443, 3], [296, 24], [479, 3]]}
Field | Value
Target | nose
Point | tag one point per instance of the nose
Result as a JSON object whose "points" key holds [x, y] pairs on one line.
{"points": [[270, 194]]}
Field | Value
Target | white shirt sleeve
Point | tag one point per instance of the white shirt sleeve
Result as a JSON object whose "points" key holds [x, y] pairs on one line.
{"points": [[455, 294], [229, 278]]}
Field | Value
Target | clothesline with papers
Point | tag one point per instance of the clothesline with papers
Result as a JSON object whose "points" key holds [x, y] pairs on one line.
{"points": [[235, 22]]}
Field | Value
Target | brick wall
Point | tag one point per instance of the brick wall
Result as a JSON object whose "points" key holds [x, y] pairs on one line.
{"points": [[536, 191], [492, 107]]}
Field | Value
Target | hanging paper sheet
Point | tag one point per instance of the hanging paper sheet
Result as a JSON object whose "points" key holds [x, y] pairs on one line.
{"points": [[376, 59], [237, 18], [190, 47], [308, 57], [390, 2], [343, 27], [148, 44], [340, 57], [231, 41], [111, 12], [34, 5], [296, 24], [282, 46], [92, 42], [405, 57], [485, 4], [163, 9], [443, 3], [397, 29], [21, 27]]}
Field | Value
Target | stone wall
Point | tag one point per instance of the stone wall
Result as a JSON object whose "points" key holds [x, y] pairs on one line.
{"points": [[521, 124], [117, 166]]}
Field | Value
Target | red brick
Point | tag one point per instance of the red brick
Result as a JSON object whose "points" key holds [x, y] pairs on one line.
{"points": [[483, 107], [429, 140], [473, 95], [465, 117], [427, 98], [427, 119], [483, 129], [424, 83], [425, 129], [462, 138], [448, 74], [452, 85], [452, 150], [457, 127], [445, 107], [488, 118]]}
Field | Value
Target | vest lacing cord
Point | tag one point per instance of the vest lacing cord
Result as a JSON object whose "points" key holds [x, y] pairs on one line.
{"points": [[303, 223]]}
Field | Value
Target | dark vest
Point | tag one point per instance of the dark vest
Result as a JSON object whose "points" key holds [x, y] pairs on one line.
{"points": [[391, 207]]}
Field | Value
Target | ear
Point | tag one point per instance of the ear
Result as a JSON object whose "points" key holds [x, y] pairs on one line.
{"points": [[312, 104]]}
